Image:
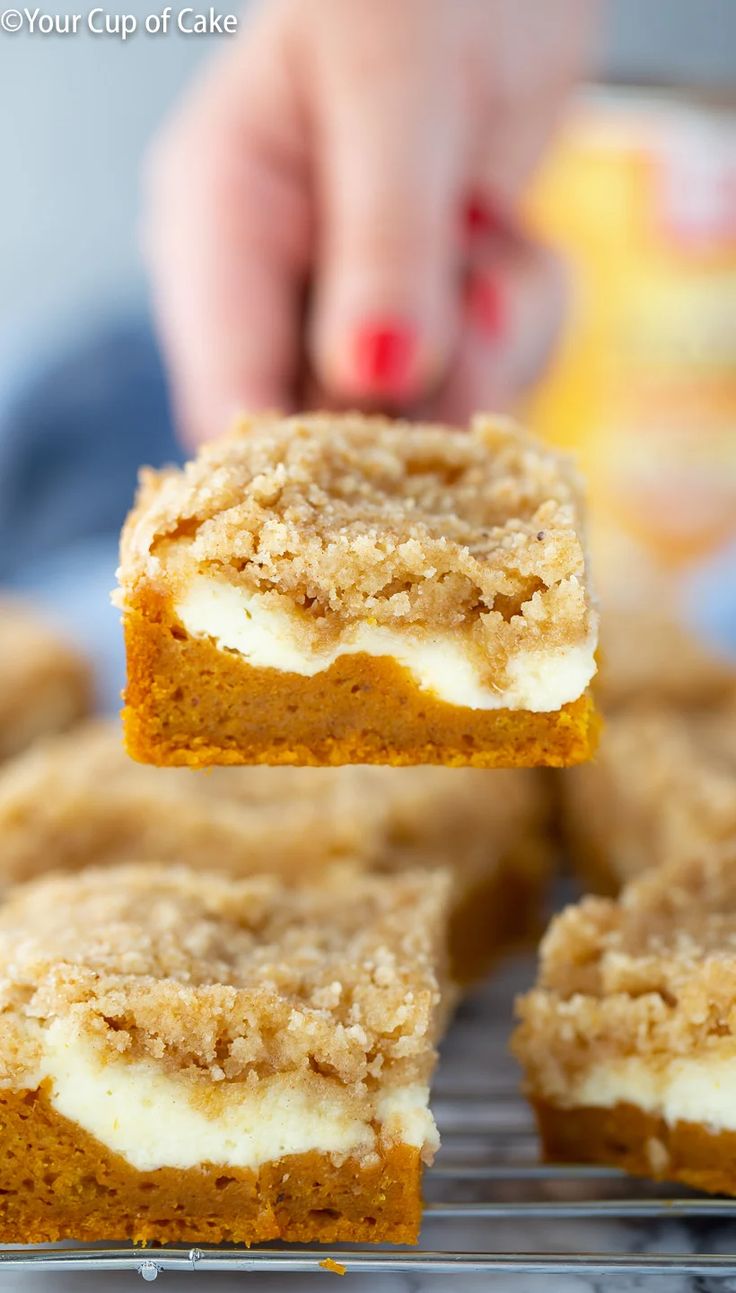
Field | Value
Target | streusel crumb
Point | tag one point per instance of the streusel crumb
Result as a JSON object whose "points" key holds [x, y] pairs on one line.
{"points": [[45, 685], [652, 974], [356, 518], [229, 978]]}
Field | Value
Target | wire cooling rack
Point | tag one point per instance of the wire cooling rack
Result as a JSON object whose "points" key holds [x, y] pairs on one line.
{"points": [[491, 1208]]}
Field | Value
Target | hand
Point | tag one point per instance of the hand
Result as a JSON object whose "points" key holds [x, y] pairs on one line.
{"points": [[333, 211]]}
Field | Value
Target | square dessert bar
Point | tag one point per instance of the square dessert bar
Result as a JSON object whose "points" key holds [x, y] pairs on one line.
{"points": [[662, 787], [629, 1039], [326, 590], [77, 800], [204, 1059], [650, 654], [45, 685]]}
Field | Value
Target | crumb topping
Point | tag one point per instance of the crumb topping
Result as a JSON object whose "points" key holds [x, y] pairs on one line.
{"points": [[652, 974], [78, 800], [353, 518], [229, 979]]}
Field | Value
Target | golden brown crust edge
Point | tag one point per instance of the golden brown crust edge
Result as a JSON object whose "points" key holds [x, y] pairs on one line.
{"points": [[361, 710]]}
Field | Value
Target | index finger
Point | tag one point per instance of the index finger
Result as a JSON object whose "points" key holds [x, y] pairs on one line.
{"points": [[227, 242]]}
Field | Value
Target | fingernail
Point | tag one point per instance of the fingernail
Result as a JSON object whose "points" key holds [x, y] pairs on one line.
{"points": [[485, 305], [385, 358]]}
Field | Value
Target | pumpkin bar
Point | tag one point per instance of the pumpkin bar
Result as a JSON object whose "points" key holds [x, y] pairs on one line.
{"points": [[662, 787], [45, 685], [343, 589], [204, 1059], [77, 800], [650, 653], [629, 1039]]}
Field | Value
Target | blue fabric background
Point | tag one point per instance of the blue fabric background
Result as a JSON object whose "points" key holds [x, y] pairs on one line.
{"points": [[74, 428]]}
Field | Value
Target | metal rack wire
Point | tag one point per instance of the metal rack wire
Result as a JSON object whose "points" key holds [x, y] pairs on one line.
{"points": [[492, 1208]]}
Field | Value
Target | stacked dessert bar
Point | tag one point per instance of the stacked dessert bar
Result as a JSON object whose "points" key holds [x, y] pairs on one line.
{"points": [[195, 1057], [628, 1040], [350, 590]]}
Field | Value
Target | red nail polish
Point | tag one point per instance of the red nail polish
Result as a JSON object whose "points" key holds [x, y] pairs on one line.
{"points": [[385, 355], [479, 218], [485, 305]]}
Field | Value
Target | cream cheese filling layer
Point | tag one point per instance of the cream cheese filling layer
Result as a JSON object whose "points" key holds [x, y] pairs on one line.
{"points": [[273, 637], [153, 1119], [686, 1089]]}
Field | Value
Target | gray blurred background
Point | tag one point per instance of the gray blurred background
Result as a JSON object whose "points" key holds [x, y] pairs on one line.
{"points": [[77, 111]]}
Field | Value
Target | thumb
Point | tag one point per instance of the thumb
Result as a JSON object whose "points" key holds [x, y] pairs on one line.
{"points": [[385, 310]]}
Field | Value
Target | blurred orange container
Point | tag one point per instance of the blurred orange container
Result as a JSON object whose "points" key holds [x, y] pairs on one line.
{"points": [[640, 193]]}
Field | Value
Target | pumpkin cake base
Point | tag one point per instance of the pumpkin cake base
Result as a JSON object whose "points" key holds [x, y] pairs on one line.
{"points": [[190, 703], [641, 1143], [61, 1183]]}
